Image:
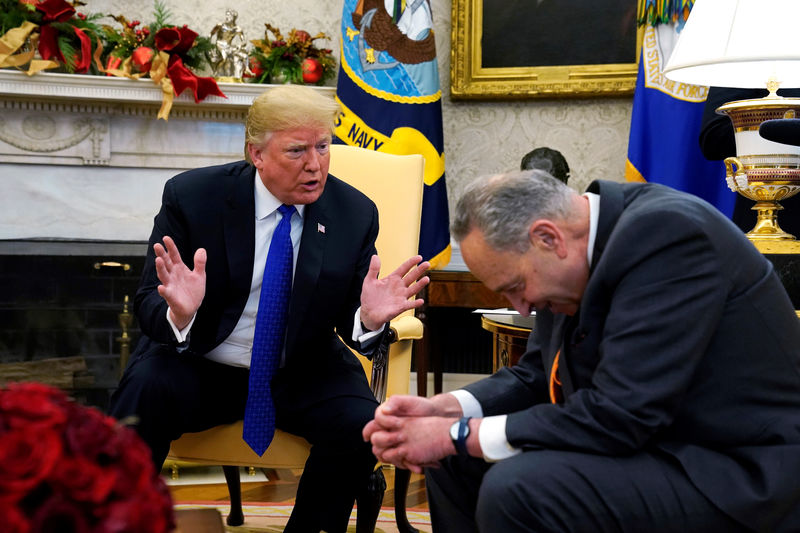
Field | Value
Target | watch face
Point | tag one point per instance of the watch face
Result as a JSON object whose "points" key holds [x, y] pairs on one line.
{"points": [[454, 430]]}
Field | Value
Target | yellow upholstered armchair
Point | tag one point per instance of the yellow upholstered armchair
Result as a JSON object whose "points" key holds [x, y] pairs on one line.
{"points": [[395, 184]]}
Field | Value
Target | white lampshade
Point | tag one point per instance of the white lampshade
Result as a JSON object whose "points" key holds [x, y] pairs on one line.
{"points": [[738, 43]]}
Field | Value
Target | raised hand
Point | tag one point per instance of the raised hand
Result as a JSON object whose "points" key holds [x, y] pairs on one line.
{"points": [[183, 289], [383, 299]]}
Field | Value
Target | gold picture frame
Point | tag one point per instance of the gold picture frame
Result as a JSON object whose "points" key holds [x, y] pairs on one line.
{"points": [[470, 80]]}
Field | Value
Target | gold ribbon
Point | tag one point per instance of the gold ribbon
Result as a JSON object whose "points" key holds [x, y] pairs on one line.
{"points": [[158, 73], [97, 53], [13, 40]]}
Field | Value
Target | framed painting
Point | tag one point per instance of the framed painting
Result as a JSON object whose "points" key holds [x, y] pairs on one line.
{"points": [[543, 48]]}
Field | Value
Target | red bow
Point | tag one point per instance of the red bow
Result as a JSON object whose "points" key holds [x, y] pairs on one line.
{"points": [[183, 78], [61, 11], [48, 48], [175, 40]]}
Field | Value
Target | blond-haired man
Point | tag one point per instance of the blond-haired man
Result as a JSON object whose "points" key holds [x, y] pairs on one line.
{"points": [[198, 302]]}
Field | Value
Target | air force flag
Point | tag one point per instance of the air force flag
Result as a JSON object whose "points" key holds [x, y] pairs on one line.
{"points": [[667, 115]]}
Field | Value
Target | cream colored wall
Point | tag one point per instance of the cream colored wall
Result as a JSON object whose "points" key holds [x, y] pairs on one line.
{"points": [[481, 137]]}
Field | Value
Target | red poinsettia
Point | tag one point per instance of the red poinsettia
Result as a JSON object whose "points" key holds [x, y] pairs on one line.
{"points": [[65, 467]]}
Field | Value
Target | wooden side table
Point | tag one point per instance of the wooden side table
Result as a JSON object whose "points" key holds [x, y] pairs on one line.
{"points": [[448, 288], [510, 337]]}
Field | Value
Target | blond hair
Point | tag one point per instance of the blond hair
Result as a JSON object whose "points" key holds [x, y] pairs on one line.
{"points": [[286, 107]]}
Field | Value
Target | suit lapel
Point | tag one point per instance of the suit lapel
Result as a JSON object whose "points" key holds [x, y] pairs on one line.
{"points": [[240, 230], [316, 225], [568, 334]]}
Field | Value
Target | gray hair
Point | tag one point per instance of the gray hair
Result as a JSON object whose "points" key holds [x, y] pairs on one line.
{"points": [[503, 207]]}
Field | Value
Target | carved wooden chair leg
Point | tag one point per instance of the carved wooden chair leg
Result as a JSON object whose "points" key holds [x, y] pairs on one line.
{"points": [[235, 516], [401, 480], [369, 502]]}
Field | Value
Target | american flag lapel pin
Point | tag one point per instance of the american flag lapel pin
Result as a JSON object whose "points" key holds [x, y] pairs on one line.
{"points": [[320, 228]]}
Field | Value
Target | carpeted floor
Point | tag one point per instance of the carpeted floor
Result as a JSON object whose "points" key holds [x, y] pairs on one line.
{"points": [[270, 518]]}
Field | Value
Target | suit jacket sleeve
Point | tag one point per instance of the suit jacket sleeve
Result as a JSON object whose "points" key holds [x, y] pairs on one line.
{"points": [[367, 250], [149, 306]]}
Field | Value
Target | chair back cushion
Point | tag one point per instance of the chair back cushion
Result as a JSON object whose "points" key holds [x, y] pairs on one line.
{"points": [[395, 183]]}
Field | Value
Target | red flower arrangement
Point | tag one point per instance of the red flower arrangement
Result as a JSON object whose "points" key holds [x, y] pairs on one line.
{"points": [[295, 59], [164, 52], [64, 37], [69, 468]]}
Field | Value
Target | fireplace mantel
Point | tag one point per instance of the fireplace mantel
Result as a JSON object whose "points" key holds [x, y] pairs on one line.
{"points": [[85, 158], [115, 95]]}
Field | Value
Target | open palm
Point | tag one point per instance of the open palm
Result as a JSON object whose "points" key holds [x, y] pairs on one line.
{"points": [[183, 289]]}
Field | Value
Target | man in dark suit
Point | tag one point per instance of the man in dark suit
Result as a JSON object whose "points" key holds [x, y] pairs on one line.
{"points": [[661, 386], [198, 302]]}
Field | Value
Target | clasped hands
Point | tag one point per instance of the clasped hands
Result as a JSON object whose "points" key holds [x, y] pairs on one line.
{"points": [[412, 432], [382, 299]]}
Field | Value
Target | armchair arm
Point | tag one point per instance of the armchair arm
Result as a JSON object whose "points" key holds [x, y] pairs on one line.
{"points": [[403, 328], [406, 327]]}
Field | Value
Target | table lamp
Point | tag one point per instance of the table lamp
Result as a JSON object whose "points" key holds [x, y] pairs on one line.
{"points": [[749, 44]]}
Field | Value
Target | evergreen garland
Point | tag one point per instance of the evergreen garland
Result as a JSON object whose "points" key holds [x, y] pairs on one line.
{"points": [[162, 16], [69, 52], [13, 13]]}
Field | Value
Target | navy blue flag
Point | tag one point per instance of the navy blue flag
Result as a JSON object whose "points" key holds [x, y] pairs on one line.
{"points": [[388, 88]]}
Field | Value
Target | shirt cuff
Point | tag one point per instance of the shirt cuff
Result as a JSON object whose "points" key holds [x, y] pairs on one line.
{"points": [[469, 404], [358, 332], [180, 334], [492, 436]]}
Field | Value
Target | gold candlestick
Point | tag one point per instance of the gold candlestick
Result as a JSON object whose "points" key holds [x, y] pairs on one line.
{"points": [[125, 321]]}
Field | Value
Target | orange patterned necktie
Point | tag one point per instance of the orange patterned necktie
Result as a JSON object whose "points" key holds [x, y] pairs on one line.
{"points": [[556, 394]]}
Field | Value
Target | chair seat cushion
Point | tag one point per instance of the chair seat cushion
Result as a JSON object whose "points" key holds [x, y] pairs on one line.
{"points": [[225, 445]]}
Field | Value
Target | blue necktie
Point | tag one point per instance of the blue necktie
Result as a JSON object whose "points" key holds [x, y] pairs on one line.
{"points": [[270, 329]]}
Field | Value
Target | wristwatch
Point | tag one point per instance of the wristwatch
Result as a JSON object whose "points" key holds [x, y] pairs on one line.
{"points": [[459, 432]]}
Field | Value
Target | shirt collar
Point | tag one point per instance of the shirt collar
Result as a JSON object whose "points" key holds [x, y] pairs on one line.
{"points": [[594, 216], [266, 203]]}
